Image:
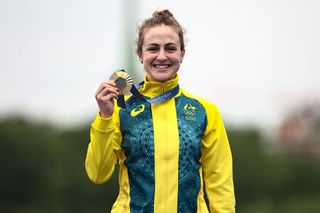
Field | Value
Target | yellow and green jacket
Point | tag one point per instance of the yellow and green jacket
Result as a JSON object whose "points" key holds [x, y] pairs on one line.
{"points": [[169, 154]]}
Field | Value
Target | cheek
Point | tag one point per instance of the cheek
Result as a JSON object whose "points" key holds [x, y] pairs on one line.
{"points": [[176, 57], [177, 60], [148, 58]]}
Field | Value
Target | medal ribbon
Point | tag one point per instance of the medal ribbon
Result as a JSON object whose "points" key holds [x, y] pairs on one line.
{"points": [[155, 100]]}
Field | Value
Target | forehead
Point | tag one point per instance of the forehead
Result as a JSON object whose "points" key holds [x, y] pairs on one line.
{"points": [[161, 34]]}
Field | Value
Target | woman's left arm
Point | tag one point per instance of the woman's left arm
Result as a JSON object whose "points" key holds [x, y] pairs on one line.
{"points": [[217, 164]]}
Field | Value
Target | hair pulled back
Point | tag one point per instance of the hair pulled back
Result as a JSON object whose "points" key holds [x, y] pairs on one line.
{"points": [[163, 17]]}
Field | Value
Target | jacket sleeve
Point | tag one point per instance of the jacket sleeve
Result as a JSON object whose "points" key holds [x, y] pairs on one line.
{"points": [[104, 148], [217, 164]]}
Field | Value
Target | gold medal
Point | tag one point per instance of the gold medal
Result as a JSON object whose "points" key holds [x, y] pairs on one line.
{"points": [[123, 81]]}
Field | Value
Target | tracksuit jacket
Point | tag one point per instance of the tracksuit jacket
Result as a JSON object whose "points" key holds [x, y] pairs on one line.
{"points": [[170, 154]]}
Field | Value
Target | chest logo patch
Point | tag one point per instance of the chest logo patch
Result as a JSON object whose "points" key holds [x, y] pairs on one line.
{"points": [[137, 110], [189, 112]]}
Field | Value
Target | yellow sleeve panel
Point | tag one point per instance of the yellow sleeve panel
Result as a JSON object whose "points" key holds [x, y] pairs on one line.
{"points": [[104, 148], [217, 163]]}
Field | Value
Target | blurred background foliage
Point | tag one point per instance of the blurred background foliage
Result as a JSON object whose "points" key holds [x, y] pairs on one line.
{"points": [[43, 171]]}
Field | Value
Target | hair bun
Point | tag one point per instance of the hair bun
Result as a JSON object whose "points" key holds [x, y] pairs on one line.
{"points": [[163, 13]]}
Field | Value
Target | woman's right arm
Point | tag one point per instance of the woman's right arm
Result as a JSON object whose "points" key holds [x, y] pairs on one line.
{"points": [[105, 136]]}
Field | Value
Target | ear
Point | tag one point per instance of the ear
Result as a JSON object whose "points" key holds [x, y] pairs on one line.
{"points": [[140, 56], [182, 56]]}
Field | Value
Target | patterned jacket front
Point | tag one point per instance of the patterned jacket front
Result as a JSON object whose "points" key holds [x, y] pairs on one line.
{"points": [[169, 153]]}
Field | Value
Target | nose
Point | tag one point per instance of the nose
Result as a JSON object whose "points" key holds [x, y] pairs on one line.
{"points": [[162, 55]]}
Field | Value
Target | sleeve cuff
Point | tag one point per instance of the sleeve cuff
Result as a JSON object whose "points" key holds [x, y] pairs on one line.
{"points": [[103, 123]]}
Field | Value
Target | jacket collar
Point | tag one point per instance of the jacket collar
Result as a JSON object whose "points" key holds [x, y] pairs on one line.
{"points": [[152, 88]]}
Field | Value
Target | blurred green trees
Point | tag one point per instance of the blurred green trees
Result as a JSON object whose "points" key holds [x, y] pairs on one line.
{"points": [[42, 170], [272, 183]]}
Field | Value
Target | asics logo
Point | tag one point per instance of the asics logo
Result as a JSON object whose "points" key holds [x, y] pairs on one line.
{"points": [[137, 110]]}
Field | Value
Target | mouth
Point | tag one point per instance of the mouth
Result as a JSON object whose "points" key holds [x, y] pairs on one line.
{"points": [[161, 66]]}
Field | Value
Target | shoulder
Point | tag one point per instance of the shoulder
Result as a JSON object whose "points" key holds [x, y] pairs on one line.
{"points": [[212, 112], [208, 105]]}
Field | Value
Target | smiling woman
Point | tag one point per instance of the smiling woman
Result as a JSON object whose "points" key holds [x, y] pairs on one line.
{"points": [[161, 54], [170, 151], [160, 46]]}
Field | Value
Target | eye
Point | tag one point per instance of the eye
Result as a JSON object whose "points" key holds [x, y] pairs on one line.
{"points": [[152, 49], [171, 48]]}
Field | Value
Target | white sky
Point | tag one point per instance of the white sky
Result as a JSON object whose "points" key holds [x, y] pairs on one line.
{"points": [[256, 60]]}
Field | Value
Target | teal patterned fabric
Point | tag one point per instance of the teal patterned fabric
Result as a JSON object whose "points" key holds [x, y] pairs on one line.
{"points": [[138, 144], [192, 122]]}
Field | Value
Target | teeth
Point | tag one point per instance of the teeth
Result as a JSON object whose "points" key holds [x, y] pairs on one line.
{"points": [[161, 66]]}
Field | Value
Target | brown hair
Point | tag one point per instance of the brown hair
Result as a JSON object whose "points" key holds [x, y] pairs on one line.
{"points": [[164, 17]]}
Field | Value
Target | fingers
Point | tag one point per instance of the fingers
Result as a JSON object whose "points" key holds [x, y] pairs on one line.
{"points": [[105, 95], [107, 90], [104, 84]]}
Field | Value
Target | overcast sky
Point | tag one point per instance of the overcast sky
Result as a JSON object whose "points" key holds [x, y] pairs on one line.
{"points": [[256, 60]]}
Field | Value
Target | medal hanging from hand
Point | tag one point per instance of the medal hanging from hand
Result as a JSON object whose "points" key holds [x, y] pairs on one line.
{"points": [[123, 81]]}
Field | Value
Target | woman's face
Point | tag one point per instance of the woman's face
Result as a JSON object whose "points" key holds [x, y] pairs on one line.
{"points": [[161, 54]]}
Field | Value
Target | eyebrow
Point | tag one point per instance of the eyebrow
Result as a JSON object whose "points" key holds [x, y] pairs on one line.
{"points": [[167, 44]]}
